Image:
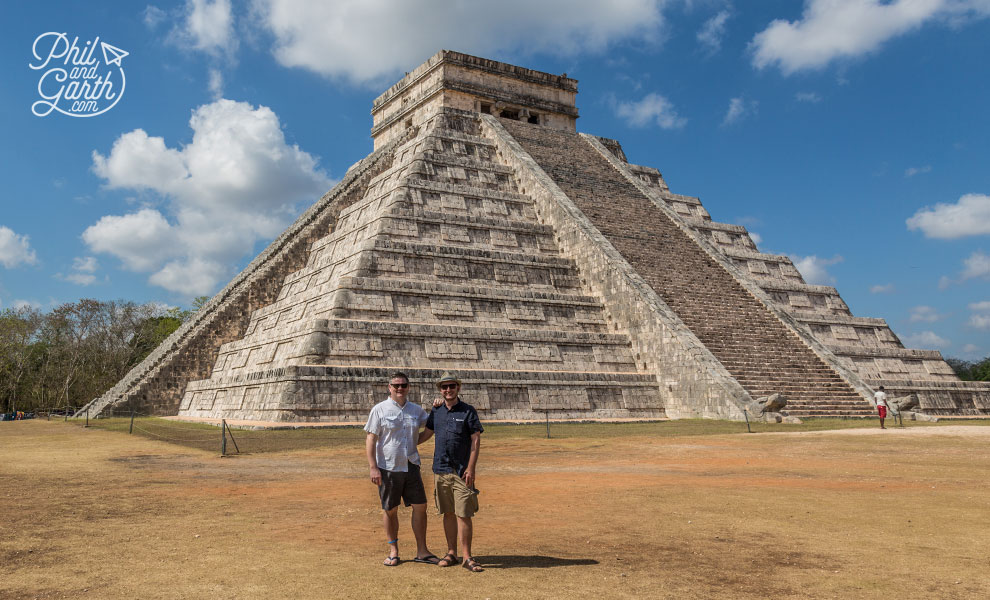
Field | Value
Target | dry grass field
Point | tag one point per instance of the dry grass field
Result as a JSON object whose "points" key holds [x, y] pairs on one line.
{"points": [[621, 511]]}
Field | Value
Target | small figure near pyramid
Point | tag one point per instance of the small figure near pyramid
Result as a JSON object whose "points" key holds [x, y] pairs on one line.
{"points": [[485, 235]]}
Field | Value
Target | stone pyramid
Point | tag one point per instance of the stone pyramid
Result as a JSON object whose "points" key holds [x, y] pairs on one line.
{"points": [[485, 236]]}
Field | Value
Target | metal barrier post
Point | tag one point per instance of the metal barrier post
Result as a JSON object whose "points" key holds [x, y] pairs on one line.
{"points": [[746, 414], [131, 430], [87, 417], [223, 437], [547, 413]]}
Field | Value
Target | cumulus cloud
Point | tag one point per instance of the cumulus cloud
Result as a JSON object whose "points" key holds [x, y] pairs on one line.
{"points": [[653, 108], [366, 41], [912, 171], [814, 270], [976, 266], [970, 349], [969, 216], [924, 314], [22, 304], [757, 238], [207, 26], [925, 340], [833, 29], [15, 249], [980, 321], [882, 289], [153, 16], [83, 269], [711, 33], [236, 182], [738, 108]]}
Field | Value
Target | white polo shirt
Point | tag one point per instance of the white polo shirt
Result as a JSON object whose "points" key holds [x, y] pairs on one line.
{"points": [[880, 398], [397, 428]]}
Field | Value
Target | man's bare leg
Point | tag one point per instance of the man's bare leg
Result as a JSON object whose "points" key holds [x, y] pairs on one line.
{"points": [[390, 519], [465, 531], [450, 532], [419, 529]]}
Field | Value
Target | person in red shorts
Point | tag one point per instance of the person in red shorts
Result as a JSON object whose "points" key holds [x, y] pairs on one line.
{"points": [[880, 397]]}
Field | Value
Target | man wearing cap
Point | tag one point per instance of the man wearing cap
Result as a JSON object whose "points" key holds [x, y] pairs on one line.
{"points": [[393, 430], [458, 430]]}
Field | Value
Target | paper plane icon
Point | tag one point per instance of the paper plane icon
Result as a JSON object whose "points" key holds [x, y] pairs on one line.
{"points": [[115, 52]]}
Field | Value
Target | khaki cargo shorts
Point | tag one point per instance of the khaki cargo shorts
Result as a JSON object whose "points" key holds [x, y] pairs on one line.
{"points": [[453, 495]]}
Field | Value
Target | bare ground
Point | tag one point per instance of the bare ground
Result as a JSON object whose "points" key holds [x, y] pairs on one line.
{"points": [[857, 513]]}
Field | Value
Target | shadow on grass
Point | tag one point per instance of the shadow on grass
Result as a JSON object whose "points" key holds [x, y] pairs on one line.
{"points": [[511, 561]]}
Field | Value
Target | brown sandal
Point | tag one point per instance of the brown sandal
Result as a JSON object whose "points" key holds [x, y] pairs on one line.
{"points": [[472, 565], [448, 560]]}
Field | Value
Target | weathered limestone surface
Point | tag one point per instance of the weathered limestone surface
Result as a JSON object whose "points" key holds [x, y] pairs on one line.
{"points": [[554, 276], [762, 352]]}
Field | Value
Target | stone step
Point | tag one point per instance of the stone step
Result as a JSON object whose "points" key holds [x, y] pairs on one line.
{"points": [[343, 392], [725, 316], [362, 342]]}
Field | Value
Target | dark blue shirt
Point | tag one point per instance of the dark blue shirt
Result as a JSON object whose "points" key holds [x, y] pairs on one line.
{"points": [[453, 429]]}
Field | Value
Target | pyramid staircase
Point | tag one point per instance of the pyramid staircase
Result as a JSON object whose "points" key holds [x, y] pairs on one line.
{"points": [[442, 265], [762, 353]]}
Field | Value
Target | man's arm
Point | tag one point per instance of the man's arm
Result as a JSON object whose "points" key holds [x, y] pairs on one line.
{"points": [[369, 447], [424, 435], [472, 459]]}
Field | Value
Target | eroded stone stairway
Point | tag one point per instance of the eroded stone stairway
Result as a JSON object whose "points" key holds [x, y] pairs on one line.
{"points": [[755, 347]]}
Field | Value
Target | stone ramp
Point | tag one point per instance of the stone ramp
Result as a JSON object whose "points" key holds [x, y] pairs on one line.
{"points": [[763, 354]]}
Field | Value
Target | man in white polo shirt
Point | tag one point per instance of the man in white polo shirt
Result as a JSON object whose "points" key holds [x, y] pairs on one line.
{"points": [[393, 430]]}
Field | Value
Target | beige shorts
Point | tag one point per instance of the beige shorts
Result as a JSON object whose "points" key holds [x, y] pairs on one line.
{"points": [[453, 495]]}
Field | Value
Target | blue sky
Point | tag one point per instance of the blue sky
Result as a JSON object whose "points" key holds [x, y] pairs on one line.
{"points": [[851, 135]]}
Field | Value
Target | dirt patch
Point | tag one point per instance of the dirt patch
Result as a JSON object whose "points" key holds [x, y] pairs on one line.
{"points": [[98, 514]]}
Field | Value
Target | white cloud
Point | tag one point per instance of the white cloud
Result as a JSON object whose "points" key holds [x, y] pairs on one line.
{"points": [[216, 83], [834, 29], [652, 108], [369, 40], [83, 269], [912, 171], [970, 349], [153, 16], [981, 322], [20, 304], [976, 266], [925, 340], [711, 33], [925, 314], [236, 183], [757, 238], [811, 97], [208, 27], [814, 269], [980, 306], [969, 216], [738, 108], [15, 249], [882, 289]]}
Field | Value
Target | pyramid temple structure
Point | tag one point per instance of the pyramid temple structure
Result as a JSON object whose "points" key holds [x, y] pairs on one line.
{"points": [[484, 235]]}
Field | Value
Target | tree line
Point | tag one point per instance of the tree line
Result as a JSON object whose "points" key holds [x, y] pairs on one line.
{"points": [[971, 371], [73, 353], [68, 356]]}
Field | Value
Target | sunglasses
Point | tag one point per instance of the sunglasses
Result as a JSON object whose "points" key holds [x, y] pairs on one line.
{"points": [[448, 386], [399, 386]]}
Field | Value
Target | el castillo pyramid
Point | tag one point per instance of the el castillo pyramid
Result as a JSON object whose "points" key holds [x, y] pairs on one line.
{"points": [[485, 236]]}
